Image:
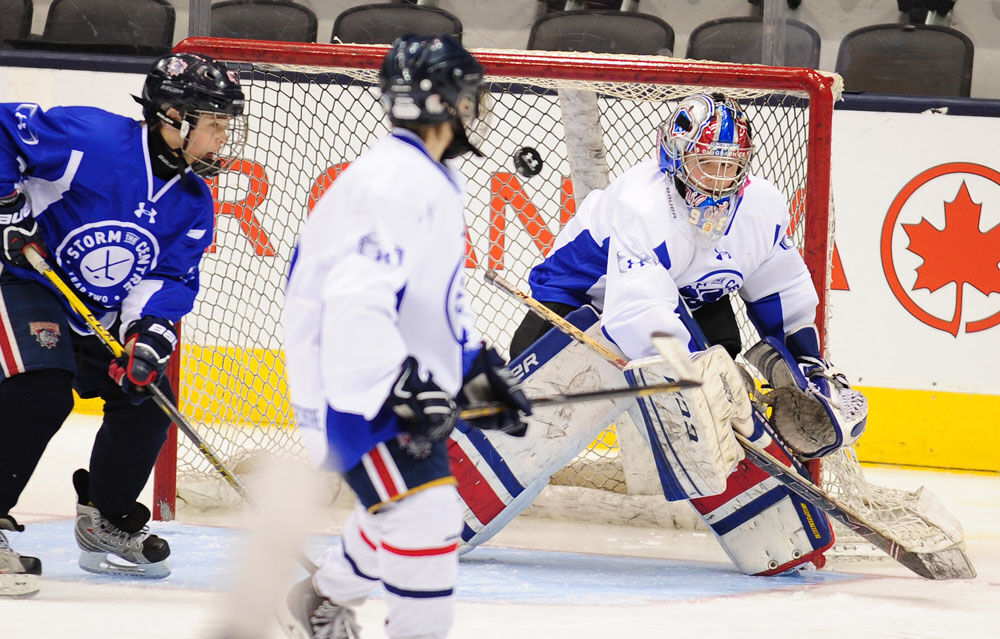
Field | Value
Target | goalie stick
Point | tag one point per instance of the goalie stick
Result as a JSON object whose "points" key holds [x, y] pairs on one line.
{"points": [[39, 264], [948, 563], [945, 563]]}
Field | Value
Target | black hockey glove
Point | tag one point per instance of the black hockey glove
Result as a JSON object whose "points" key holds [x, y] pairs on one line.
{"points": [[19, 230], [148, 345], [427, 413], [487, 381]]}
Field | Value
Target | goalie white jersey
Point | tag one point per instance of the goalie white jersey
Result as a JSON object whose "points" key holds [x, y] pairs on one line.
{"points": [[380, 261], [624, 254]]}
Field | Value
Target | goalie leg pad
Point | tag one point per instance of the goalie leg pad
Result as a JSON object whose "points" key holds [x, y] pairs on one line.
{"points": [[498, 475], [812, 423], [763, 527], [691, 432]]}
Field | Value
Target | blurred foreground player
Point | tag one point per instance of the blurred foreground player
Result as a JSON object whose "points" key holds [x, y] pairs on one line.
{"points": [[380, 353]]}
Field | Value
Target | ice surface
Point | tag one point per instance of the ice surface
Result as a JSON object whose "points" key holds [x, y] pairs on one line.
{"points": [[538, 578]]}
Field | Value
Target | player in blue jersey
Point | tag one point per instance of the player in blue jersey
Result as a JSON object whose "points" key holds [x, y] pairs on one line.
{"points": [[120, 209], [379, 346]]}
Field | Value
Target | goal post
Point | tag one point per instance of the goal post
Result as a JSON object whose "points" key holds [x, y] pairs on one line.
{"points": [[313, 108]]}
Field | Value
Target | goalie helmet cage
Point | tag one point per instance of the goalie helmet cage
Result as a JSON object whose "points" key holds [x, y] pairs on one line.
{"points": [[314, 107]]}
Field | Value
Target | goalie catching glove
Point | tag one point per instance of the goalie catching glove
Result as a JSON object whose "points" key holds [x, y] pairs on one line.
{"points": [[149, 343], [813, 408], [486, 381], [19, 229], [426, 412]]}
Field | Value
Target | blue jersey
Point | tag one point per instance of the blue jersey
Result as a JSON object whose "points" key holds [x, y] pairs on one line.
{"points": [[126, 240]]}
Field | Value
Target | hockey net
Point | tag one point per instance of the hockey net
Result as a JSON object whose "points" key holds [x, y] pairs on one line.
{"points": [[313, 108]]}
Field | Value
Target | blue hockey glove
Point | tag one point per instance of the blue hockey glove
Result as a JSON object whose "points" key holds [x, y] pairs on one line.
{"points": [[19, 230], [427, 413], [488, 381], [149, 343]]}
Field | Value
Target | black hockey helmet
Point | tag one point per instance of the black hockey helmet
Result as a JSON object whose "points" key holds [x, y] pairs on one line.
{"points": [[195, 84], [429, 80], [190, 82]]}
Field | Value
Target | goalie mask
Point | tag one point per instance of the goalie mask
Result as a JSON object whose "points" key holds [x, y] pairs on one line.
{"points": [[706, 147], [199, 88], [430, 80]]}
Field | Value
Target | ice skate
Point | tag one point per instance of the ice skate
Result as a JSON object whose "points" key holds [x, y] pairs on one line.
{"points": [[310, 615], [123, 546], [18, 573]]}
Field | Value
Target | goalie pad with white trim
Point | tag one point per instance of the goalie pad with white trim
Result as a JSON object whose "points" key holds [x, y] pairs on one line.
{"points": [[763, 527], [498, 475], [691, 432], [813, 409]]}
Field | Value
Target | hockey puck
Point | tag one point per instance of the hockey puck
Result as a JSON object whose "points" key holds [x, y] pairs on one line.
{"points": [[528, 161]]}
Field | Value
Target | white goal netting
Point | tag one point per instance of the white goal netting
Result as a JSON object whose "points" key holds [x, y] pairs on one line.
{"points": [[313, 109]]}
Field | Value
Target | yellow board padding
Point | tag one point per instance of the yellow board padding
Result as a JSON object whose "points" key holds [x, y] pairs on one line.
{"points": [[931, 429]]}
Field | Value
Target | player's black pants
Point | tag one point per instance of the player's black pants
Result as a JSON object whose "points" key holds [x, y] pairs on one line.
{"points": [[42, 360], [717, 321]]}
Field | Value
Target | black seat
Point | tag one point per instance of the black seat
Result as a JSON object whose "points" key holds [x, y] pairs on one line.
{"points": [[602, 32], [912, 59], [281, 20], [741, 40], [16, 21], [129, 27], [383, 23]]}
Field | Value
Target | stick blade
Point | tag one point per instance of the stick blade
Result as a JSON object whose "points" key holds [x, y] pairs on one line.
{"points": [[676, 354]]}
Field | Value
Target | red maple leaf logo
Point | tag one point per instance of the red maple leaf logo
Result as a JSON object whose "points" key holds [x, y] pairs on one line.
{"points": [[959, 252]]}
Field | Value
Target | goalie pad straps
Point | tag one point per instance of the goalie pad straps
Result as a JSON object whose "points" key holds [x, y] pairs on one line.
{"points": [[764, 528], [498, 475], [812, 422], [691, 432]]}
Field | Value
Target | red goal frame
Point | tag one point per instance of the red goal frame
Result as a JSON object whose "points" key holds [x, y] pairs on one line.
{"points": [[820, 89]]}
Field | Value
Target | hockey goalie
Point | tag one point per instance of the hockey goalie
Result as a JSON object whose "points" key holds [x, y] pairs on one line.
{"points": [[686, 229]]}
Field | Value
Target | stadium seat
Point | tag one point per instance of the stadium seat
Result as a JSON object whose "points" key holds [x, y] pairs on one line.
{"points": [[741, 40], [602, 32], [383, 23], [281, 20], [16, 21], [911, 59], [131, 27]]}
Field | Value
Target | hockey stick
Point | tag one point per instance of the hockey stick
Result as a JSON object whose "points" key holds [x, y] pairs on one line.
{"points": [[589, 396], [948, 563], [39, 263]]}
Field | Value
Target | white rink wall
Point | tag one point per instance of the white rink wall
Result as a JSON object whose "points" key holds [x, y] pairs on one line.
{"points": [[919, 354]]}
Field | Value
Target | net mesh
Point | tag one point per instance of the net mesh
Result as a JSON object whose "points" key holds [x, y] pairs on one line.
{"points": [[306, 123]]}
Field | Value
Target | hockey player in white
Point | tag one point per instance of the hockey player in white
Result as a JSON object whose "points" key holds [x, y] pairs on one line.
{"points": [[121, 210], [682, 231], [380, 351]]}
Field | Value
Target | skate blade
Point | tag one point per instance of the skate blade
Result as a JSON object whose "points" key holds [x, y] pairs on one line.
{"points": [[18, 585], [101, 563]]}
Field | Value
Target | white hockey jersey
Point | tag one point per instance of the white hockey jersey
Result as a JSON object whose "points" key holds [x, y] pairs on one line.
{"points": [[625, 253], [378, 275]]}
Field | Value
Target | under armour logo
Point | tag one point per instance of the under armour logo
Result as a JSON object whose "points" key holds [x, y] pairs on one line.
{"points": [[628, 261], [722, 254], [151, 213]]}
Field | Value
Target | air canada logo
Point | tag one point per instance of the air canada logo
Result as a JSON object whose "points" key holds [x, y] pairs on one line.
{"points": [[710, 288], [941, 247], [24, 114], [105, 260]]}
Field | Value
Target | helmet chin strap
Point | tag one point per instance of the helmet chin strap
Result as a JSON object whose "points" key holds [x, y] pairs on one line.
{"points": [[177, 160]]}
